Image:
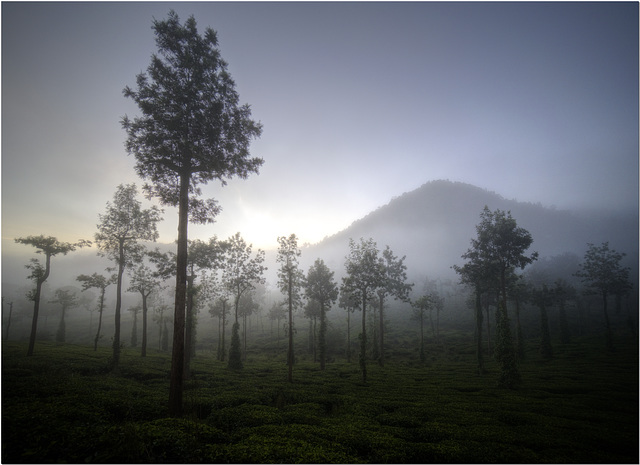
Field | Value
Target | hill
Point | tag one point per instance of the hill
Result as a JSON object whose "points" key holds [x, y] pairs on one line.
{"points": [[433, 225]]}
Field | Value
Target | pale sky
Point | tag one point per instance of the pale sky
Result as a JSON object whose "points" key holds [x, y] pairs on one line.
{"points": [[360, 102]]}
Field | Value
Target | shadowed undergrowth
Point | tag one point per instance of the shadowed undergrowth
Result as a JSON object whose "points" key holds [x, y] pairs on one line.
{"points": [[62, 405]]}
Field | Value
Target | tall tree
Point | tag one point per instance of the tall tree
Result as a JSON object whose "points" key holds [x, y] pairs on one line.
{"points": [[66, 298], [543, 298], [123, 225], [563, 292], [9, 320], [394, 283], [201, 256], [500, 248], [101, 282], [50, 247], [420, 307], [241, 272], [321, 287], [192, 130], [350, 304], [290, 282], [134, 328], [144, 282], [603, 274], [364, 276]]}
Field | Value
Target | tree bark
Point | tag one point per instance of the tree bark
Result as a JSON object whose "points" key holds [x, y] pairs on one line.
{"points": [[177, 353]]}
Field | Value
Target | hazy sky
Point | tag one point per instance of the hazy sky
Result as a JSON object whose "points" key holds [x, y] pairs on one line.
{"points": [[360, 102]]}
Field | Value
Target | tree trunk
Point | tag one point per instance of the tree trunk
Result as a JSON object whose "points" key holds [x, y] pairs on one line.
{"points": [[479, 354], [61, 334], [565, 334], [95, 342], [188, 327], [381, 355], [177, 355], [9, 322], [290, 351], [36, 305], [348, 335], [546, 351], [116, 335], [363, 339], [519, 336], [323, 334], [608, 335], [144, 325], [423, 356], [224, 323]]}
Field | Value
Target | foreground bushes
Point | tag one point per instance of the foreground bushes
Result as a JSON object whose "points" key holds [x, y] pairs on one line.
{"points": [[61, 405]]}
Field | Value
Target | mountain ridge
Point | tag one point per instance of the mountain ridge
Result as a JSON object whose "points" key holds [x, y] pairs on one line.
{"points": [[433, 225]]}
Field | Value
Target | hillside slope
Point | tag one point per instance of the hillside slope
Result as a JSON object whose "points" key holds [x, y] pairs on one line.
{"points": [[433, 225]]}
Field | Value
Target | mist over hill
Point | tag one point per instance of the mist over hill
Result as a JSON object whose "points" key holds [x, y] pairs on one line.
{"points": [[433, 226]]}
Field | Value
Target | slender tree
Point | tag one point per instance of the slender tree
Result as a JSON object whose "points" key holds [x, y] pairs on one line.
{"points": [[9, 320], [321, 287], [603, 274], [277, 313], [394, 283], [542, 297], [290, 282], [241, 272], [192, 130], [420, 307], [364, 276], [134, 328], [123, 225], [563, 292], [67, 299], [350, 304], [50, 247], [474, 274], [201, 256], [144, 282], [100, 282]]}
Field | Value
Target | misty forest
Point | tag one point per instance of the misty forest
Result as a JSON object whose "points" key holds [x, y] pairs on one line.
{"points": [[450, 325]]}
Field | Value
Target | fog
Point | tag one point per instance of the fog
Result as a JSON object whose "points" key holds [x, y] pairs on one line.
{"points": [[431, 226]]}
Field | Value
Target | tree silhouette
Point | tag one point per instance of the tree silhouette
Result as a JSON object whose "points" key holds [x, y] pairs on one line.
{"points": [[192, 130], [543, 298], [50, 247], [124, 223], [496, 252], [562, 292], [364, 276], [603, 274], [143, 281], [394, 277], [241, 273], [321, 287], [290, 282], [67, 299], [99, 282], [420, 306]]}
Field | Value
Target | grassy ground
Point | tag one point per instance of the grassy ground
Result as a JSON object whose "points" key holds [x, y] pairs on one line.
{"points": [[61, 405]]}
